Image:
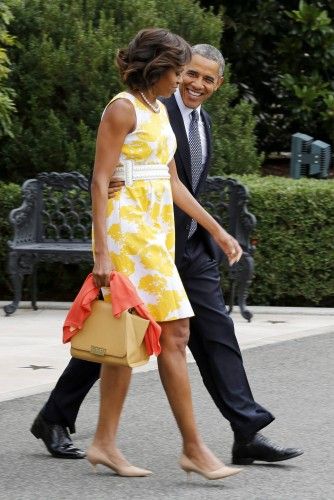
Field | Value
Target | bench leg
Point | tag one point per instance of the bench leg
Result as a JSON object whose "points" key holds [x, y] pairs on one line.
{"points": [[231, 290], [34, 288], [16, 278], [244, 280]]}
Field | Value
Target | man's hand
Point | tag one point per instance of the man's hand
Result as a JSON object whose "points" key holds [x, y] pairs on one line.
{"points": [[229, 245], [114, 187]]}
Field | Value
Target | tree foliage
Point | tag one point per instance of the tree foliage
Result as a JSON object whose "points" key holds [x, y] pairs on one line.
{"points": [[308, 78], [6, 92], [282, 57], [64, 74]]}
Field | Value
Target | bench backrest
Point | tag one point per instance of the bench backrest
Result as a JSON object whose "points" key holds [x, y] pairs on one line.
{"points": [[65, 210], [56, 208]]}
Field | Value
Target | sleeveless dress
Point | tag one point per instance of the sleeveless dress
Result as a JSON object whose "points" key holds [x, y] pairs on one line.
{"points": [[140, 219]]}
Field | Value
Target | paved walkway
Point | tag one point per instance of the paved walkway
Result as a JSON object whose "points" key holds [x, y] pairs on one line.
{"points": [[32, 356], [290, 368]]}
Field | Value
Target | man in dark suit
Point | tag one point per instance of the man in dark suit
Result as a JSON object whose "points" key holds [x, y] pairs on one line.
{"points": [[212, 340]]}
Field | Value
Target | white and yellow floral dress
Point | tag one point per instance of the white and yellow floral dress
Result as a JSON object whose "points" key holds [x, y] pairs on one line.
{"points": [[140, 219]]}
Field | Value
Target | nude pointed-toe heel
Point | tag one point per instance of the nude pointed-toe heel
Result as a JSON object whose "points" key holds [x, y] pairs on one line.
{"points": [[188, 466], [95, 457]]}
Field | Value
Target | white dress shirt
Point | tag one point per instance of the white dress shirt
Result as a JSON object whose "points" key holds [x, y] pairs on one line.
{"points": [[186, 115]]}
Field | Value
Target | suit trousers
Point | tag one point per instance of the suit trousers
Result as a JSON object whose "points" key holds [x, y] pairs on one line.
{"points": [[214, 345], [212, 342]]}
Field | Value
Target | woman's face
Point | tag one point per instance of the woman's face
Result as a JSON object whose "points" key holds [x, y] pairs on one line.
{"points": [[168, 82]]}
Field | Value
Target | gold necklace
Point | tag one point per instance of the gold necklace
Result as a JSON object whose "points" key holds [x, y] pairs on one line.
{"points": [[155, 108]]}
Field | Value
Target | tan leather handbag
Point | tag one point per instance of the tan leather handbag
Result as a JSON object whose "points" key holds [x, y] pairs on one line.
{"points": [[106, 339]]}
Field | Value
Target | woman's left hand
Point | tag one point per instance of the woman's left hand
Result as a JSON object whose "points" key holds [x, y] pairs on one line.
{"points": [[229, 245]]}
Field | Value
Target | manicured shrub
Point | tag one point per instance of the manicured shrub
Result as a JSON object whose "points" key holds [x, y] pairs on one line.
{"points": [[9, 198], [294, 258]]}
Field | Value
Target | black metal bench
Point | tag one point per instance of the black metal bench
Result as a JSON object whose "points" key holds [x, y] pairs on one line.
{"points": [[227, 200], [53, 224]]}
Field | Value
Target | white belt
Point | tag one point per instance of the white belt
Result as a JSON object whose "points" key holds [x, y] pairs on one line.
{"points": [[129, 171]]}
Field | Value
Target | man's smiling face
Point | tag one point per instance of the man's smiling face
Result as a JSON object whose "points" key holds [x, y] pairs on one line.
{"points": [[199, 80]]}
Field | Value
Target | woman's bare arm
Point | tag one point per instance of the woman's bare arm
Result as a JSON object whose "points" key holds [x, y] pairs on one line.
{"points": [[118, 120]]}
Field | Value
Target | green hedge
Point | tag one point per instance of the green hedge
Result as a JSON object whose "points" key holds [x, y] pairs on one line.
{"points": [[9, 198], [294, 257]]}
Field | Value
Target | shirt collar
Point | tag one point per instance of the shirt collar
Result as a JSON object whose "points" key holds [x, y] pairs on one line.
{"points": [[185, 111]]}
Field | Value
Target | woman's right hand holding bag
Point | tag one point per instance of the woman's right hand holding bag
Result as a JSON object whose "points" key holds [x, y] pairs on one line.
{"points": [[102, 270]]}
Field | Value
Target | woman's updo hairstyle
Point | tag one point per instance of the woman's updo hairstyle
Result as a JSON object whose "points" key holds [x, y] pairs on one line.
{"points": [[149, 55]]}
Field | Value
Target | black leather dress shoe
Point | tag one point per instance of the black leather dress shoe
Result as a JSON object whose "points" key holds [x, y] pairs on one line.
{"points": [[262, 449], [56, 439]]}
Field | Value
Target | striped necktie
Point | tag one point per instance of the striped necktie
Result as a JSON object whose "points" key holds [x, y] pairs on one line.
{"points": [[195, 149], [196, 158]]}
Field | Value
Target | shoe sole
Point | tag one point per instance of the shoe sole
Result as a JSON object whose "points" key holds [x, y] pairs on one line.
{"points": [[35, 433], [249, 461], [243, 461]]}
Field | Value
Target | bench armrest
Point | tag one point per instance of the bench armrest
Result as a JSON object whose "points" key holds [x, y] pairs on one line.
{"points": [[25, 218], [227, 200]]}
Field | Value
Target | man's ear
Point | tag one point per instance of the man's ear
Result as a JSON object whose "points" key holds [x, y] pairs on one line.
{"points": [[220, 82]]}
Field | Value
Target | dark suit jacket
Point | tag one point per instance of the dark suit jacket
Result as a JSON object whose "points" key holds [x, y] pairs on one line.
{"points": [[183, 165]]}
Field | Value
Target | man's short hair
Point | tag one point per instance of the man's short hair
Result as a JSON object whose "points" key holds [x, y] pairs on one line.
{"points": [[210, 52]]}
